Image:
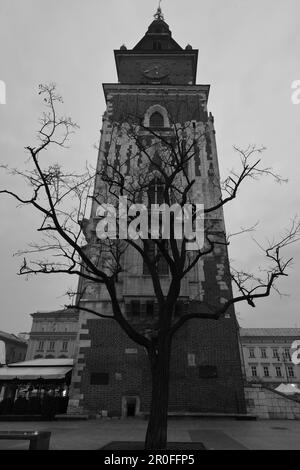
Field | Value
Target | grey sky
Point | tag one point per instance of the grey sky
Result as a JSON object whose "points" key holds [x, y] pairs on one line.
{"points": [[249, 51]]}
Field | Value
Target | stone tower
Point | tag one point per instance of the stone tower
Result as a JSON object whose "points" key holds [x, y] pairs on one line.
{"points": [[157, 79]]}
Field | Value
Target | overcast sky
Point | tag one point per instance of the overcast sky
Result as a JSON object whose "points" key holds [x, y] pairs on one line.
{"points": [[249, 51]]}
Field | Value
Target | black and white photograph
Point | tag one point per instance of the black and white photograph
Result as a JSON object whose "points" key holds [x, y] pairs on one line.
{"points": [[149, 228]]}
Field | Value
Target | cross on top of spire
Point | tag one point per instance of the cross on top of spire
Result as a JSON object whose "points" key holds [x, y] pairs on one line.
{"points": [[159, 15]]}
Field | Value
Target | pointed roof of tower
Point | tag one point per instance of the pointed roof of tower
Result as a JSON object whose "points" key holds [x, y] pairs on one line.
{"points": [[158, 37]]}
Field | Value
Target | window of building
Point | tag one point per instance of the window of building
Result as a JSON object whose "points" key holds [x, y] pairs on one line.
{"points": [[287, 355], [266, 371], [275, 353], [156, 192], [157, 46], [49, 356], [156, 119], [263, 353], [131, 351], [192, 360], [40, 346], [254, 371], [290, 370], [149, 308], [156, 116], [65, 345], [99, 378], [51, 345], [278, 371], [135, 308], [155, 255], [208, 372], [251, 352]]}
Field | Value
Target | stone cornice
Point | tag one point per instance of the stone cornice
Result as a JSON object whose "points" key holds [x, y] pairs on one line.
{"points": [[169, 90], [52, 335]]}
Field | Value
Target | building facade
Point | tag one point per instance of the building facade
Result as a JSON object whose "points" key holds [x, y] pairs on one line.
{"points": [[267, 355], [53, 335], [157, 82], [15, 347]]}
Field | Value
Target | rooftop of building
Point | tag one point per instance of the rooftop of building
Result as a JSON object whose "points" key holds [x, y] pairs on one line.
{"points": [[56, 313], [11, 337], [269, 332], [158, 31]]}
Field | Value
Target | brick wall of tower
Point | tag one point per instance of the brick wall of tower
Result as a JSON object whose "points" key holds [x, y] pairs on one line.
{"points": [[212, 344], [128, 372], [102, 343], [132, 101]]}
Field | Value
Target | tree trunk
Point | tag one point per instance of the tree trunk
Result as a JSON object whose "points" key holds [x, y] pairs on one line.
{"points": [[156, 436]]}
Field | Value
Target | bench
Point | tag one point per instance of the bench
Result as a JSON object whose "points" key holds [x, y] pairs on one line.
{"points": [[39, 440]]}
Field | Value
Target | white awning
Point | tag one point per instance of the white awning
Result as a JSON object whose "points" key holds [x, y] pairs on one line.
{"points": [[67, 362], [33, 373]]}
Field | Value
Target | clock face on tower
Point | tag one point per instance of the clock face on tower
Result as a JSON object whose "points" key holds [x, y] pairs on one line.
{"points": [[154, 70]]}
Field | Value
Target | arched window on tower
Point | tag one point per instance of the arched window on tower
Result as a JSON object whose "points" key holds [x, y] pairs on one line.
{"points": [[156, 196], [156, 120]]}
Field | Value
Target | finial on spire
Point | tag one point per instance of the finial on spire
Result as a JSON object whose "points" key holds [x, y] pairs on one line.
{"points": [[159, 15]]}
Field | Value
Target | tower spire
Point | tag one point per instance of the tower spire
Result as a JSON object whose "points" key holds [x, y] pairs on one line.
{"points": [[159, 15]]}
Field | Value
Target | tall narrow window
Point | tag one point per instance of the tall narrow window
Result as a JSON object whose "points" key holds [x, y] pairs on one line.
{"points": [[154, 254], [135, 308], [149, 308], [156, 196], [275, 353], [157, 46], [251, 352], [287, 355], [263, 353], [254, 371], [156, 192], [156, 120]]}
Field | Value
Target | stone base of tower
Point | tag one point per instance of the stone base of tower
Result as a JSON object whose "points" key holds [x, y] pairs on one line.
{"points": [[114, 377]]}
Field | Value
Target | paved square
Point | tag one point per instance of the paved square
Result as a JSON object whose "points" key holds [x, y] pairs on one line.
{"points": [[214, 433]]}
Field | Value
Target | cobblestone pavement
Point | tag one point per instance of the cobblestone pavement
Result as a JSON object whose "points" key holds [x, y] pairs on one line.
{"points": [[214, 433]]}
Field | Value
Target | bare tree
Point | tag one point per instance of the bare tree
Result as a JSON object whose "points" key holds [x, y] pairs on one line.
{"points": [[70, 244]]}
